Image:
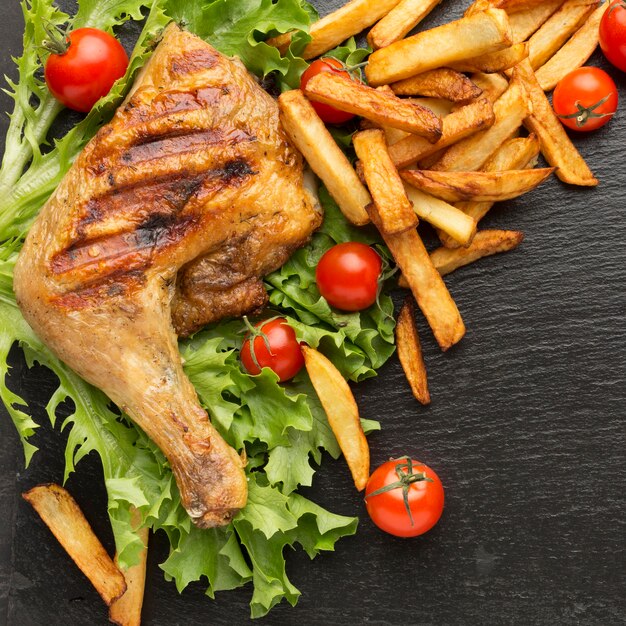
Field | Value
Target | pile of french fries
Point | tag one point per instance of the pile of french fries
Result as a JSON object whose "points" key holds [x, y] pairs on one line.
{"points": [[437, 145], [442, 139]]}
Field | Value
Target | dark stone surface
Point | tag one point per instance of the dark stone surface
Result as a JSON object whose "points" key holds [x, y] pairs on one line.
{"points": [[526, 431]]}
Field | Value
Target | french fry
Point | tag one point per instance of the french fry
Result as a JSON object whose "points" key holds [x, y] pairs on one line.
{"points": [[441, 215], [516, 153], [431, 293], [440, 83], [574, 53], [492, 85], [395, 210], [462, 123], [324, 156], [338, 26], [510, 110], [404, 17], [477, 186], [556, 146], [63, 517], [342, 412], [558, 29], [494, 61], [485, 243], [380, 107], [511, 6], [126, 610], [468, 37], [410, 352], [525, 23]]}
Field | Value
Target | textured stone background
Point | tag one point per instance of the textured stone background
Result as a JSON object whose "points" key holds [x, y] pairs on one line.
{"points": [[526, 431]]}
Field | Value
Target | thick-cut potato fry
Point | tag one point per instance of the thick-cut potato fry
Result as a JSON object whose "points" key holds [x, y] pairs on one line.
{"points": [[324, 156], [441, 215], [440, 83], [471, 36], [410, 352], [492, 85], [525, 23], [510, 110], [477, 186], [126, 610], [337, 26], [558, 29], [431, 293], [395, 210], [485, 243], [494, 61], [556, 146], [462, 123], [477, 6], [386, 109], [511, 6], [342, 412], [514, 154], [404, 17], [574, 53], [63, 517]]}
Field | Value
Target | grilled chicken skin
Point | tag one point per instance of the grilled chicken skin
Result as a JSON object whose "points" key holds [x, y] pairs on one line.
{"points": [[166, 221]]}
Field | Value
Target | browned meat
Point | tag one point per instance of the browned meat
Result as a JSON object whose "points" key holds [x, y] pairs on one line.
{"points": [[173, 211]]}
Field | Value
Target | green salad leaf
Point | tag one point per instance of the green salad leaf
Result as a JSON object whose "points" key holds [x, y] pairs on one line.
{"points": [[282, 427]]}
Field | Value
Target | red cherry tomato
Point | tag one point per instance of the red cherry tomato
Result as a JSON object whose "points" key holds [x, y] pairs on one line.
{"points": [[328, 114], [388, 508], [347, 276], [93, 60], [585, 99], [275, 346], [612, 34]]}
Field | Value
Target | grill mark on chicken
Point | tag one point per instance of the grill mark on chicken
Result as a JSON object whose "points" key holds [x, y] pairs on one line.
{"points": [[129, 247]]}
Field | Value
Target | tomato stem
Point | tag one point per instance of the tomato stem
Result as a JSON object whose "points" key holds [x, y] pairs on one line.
{"points": [[404, 482], [583, 114], [58, 41], [254, 332]]}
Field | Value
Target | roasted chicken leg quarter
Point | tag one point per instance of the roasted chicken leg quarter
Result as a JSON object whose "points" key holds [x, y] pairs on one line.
{"points": [[166, 221]]}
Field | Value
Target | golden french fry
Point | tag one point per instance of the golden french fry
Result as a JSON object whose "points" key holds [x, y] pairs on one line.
{"points": [[558, 29], [342, 412], [492, 85], [511, 6], [510, 110], [63, 517], [485, 243], [516, 153], [574, 53], [385, 185], [494, 61], [410, 352], [404, 17], [431, 293], [477, 6], [383, 108], [126, 610], [525, 23], [556, 146], [462, 123], [468, 37], [331, 30], [441, 215], [324, 156], [440, 83], [477, 186]]}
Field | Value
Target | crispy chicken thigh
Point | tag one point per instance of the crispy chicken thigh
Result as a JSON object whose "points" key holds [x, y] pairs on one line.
{"points": [[166, 221]]}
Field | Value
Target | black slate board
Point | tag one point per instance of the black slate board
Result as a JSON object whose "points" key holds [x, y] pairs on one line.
{"points": [[526, 431]]}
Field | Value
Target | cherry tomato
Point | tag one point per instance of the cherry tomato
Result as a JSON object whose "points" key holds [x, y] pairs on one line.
{"points": [[275, 346], [83, 67], [585, 99], [612, 34], [385, 497], [328, 114], [347, 276]]}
